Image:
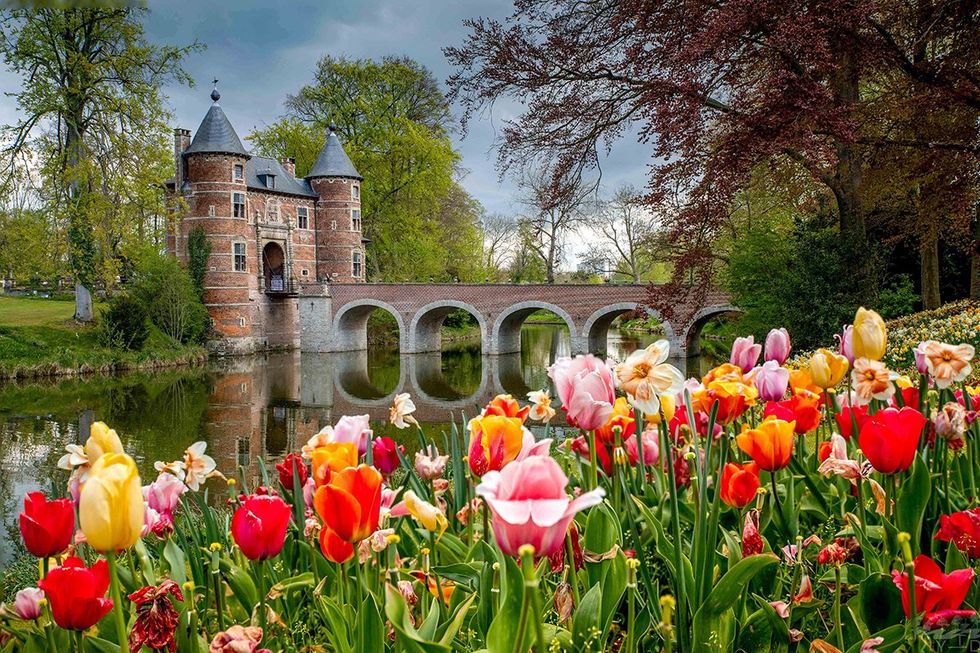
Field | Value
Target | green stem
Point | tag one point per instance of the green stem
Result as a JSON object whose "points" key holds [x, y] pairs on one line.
{"points": [[531, 590], [838, 627], [117, 608], [570, 560], [79, 642], [260, 576], [667, 451], [522, 624], [594, 463]]}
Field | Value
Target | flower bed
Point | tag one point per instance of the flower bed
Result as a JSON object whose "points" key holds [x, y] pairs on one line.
{"points": [[760, 508]]}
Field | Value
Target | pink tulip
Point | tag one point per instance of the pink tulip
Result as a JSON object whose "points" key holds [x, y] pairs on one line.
{"points": [[586, 389], [27, 603], [920, 358], [353, 428], [745, 353], [163, 494], [530, 506], [845, 343], [651, 448], [778, 346], [771, 380]]}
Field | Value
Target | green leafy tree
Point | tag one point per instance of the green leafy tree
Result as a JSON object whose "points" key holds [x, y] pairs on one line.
{"points": [[90, 82]]}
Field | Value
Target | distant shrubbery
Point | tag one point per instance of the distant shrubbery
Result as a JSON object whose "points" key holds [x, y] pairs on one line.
{"points": [[124, 324]]}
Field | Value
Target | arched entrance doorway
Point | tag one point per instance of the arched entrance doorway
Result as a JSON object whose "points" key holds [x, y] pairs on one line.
{"points": [[274, 267]]}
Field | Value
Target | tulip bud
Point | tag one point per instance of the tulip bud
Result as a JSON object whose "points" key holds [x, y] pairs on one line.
{"points": [[111, 509], [27, 603], [869, 336], [777, 346]]}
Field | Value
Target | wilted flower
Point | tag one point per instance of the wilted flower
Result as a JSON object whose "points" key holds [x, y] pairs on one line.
{"points": [[427, 515], [237, 639], [838, 462], [752, 543], [156, 619], [950, 425], [429, 464], [962, 529]]}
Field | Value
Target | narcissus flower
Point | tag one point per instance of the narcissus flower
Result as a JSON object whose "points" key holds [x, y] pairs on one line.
{"points": [[770, 445], [777, 346], [332, 457], [827, 369], [963, 530], [739, 484], [645, 377], [401, 411], [506, 406], [890, 438], [938, 596], [259, 526], [541, 410], [871, 380], [947, 364], [46, 526], [745, 353], [156, 619], [530, 505], [350, 504], [622, 417], [111, 508], [76, 593], [869, 336]]}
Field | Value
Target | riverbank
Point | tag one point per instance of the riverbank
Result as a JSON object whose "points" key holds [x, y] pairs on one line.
{"points": [[38, 338]]}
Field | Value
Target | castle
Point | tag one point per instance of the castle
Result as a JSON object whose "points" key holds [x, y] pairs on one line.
{"points": [[273, 236]]}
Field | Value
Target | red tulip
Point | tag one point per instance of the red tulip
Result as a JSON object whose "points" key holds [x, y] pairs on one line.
{"points": [[46, 526], [335, 549], [802, 408], [285, 469], [386, 455], [845, 422], [259, 526], [350, 505], [156, 619], [889, 439], [739, 484], [963, 530], [937, 595], [76, 593]]}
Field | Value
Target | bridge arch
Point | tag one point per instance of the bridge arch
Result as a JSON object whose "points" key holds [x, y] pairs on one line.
{"points": [[426, 332], [429, 383], [692, 331], [354, 385], [507, 327], [350, 324], [596, 329]]}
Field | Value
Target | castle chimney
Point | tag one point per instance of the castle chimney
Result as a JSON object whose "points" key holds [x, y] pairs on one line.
{"points": [[182, 140], [289, 163]]}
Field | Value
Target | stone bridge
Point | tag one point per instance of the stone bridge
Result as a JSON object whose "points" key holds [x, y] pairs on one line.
{"points": [[334, 318]]}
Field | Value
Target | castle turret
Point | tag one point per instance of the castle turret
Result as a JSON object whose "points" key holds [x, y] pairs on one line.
{"points": [[340, 243]]}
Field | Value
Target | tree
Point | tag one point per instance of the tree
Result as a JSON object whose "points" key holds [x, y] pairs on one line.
{"points": [[626, 229], [395, 123], [721, 90], [89, 77], [499, 233], [555, 205]]}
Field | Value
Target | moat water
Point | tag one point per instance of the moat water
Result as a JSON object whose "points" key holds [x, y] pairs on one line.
{"points": [[261, 406]]}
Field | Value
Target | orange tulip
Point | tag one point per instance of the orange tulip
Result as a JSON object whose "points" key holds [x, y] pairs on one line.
{"points": [[335, 549], [770, 445], [494, 441], [332, 457], [728, 387], [506, 406], [739, 484], [621, 417], [350, 504]]}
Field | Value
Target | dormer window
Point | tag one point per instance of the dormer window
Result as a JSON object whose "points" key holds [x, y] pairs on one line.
{"points": [[239, 172], [269, 181]]}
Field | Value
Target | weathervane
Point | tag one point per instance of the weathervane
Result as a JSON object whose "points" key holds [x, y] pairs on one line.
{"points": [[215, 95]]}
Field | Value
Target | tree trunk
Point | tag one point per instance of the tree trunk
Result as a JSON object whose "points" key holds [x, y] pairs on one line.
{"points": [[929, 261], [975, 258], [81, 246]]}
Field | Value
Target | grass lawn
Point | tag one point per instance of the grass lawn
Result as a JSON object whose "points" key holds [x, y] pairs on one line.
{"points": [[39, 338]]}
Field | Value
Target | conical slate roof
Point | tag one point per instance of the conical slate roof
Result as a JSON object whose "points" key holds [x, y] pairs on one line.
{"points": [[216, 135], [333, 160]]}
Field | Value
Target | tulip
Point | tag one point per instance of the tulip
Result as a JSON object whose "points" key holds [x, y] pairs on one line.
{"points": [[726, 386], [845, 343], [890, 437], [647, 378], [963, 530], [355, 429], [46, 526], [849, 417], [350, 505], [827, 369], [429, 516], [386, 458], [237, 639], [586, 389], [156, 619], [869, 336], [334, 548], [494, 441], [530, 506], [770, 445], [506, 406], [745, 353], [111, 509], [101, 440], [429, 464], [259, 526], [919, 354], [76, 593], [950, 423], [285, 470], [668, 407], [801, 381], [938, 596], [622, 418], [770, 380], [331, 458], [27, 603], [777, 346], [163, 494], [603, 456], [651, 447], [801, 408], [739, 484]]}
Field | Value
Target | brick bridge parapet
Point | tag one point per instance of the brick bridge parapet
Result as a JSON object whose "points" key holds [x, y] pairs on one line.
{"points": [[334, 318]]}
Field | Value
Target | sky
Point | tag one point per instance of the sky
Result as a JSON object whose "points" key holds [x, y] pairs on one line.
{"points": [[261, 51]]}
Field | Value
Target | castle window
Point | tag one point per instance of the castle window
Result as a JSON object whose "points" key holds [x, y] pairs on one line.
{"points": [[239, 253], [355, 219], [239, 172], [302, 217], [356, 265], [333, 225], [270, 181], [355, 192], [238, 205]]}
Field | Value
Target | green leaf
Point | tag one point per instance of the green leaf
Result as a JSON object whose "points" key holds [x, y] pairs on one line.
{"points": [[503, 628], [912, 501], [457, 621], [585, 622], [613, 586], [408, 638], [895, 641], [241, 584], [337, 632], [755, 635], [880, 602], [100, 645], [173, 555], [369, 636], [714, 622]]}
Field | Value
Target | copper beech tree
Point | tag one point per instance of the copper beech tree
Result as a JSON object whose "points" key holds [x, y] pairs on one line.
{"points": [[722, 88]]}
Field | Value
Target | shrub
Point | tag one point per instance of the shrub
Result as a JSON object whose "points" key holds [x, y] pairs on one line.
{"points": [[898, 298], [171, 299], [124, 323], [198, 253]]}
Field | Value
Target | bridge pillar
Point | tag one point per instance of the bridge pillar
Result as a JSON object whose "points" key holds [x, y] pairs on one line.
{"points": [[315, 321]]}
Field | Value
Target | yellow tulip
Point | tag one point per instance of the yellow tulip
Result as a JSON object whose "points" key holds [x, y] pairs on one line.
{"points": [[666, 405], [101, 440], [110, 507], [426, 514], [869, 336], [827, 369]]}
